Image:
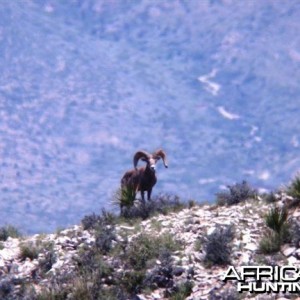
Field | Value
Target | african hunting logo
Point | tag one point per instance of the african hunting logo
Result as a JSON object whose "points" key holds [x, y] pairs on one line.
{"points": [[265, 279]]}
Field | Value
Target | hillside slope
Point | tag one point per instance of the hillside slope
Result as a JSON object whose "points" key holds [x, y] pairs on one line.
{"points": [[161, 257]]}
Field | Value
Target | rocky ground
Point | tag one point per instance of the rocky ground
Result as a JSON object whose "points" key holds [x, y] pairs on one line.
{"points": [[58, 253]]}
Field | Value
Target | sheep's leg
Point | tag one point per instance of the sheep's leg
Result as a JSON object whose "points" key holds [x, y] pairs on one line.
{"points": [[136, 191], [143, 197], [149, 194]]}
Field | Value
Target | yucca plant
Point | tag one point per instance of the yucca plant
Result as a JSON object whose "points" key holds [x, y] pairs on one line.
{"points": [[294, 188], [277, 218], [124, 197]]}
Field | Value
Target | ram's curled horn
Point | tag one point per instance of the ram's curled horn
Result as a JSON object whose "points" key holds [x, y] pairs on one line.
{"points": [[161, 154], [138, 155]]}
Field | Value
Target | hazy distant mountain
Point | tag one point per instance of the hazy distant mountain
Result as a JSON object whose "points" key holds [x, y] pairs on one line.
{"points": [[84, 84]]}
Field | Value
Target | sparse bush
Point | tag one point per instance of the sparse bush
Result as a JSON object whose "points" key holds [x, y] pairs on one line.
{"points": [[57, 292], [94, 221], [32, 249], [146, 247], [217, 246], [295, 233], [294, 188], [227, 294], [270, 197], [162, 275], [103, 226], [104, 238], [49, 257], [132, 281], [11, 288], [92, 273], [161, 204], [6, 288], [182, 291], [91, 260], [192, 203], [9, 231], [270, 243], [237, 193], [29, 250]]}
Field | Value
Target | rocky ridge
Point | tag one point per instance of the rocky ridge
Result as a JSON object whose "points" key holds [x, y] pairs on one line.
{"points": [[188, 226]]}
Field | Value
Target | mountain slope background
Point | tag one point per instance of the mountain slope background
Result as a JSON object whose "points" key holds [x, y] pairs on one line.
{"points": [[84, 84]]}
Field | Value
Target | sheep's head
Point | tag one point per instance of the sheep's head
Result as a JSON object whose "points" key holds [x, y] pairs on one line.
{"points": [[150, 159]]}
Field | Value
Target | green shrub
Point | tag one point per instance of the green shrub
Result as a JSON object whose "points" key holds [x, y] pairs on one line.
{"points": [[270, 197], [29, 250], [91, 260], [92, 273], [6, 288], [277, 219], [132, 281], [49, 257], [9, 231], [293, 190], [295, 233], [237, 193], [104, 239], [32, 249], [162, 275], [146, 247], [124, 197], [182, 291], [270, 243], [227, 294], [217, 246], [279, 230], [94, 221], [161, 204]]}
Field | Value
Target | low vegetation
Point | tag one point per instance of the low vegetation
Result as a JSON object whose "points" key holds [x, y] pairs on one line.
{"points": [[237, 193], [9, 231], [293, 190], [278, 230], [217, 246], [120, 267], [162, 204]]}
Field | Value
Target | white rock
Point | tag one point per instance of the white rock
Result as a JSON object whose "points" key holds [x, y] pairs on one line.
{"points": [[251, 247], [245, 258], [292, 260], [126, 227], [165, 223], [287, 250], [156, 295], [211, 230], [296, 213], [58, 264], [246, 238]]}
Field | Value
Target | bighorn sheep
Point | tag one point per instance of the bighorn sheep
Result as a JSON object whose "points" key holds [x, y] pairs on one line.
{"points": [[143, 179]]}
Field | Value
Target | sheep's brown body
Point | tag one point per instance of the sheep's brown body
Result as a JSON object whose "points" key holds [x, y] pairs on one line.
{"points": [[143, 179]]}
